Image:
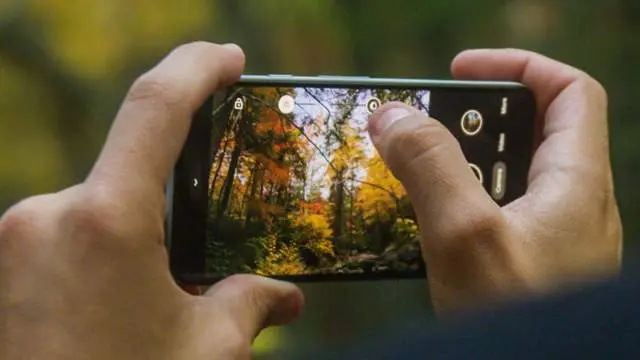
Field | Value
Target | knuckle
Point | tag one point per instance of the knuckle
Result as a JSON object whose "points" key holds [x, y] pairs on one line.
{"points": [[99, 212], [257, 299], [21, 218], [514, 51], [154, 88], [195, 46], [21, 226], [475, 227], [159, 90], [94, 211], [593, 88], [599, 92], [250, 289], [597, 89]]}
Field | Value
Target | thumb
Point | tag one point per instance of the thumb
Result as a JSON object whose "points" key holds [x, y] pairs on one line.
{"points": [[448, 199], [256, 302]]}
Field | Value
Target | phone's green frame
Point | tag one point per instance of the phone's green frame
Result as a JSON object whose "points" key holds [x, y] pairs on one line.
{"points": [[329, 80]]}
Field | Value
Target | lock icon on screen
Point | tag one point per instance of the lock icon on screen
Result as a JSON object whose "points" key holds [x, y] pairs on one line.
{"points": [[238, 104]]}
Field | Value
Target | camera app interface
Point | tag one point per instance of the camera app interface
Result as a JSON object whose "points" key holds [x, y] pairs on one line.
{"points": [[296, 186]]}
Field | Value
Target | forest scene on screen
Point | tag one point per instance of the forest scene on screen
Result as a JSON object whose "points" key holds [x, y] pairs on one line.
{"points": [[297, 188]]}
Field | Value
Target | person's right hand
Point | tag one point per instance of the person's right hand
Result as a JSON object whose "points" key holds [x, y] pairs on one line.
{"points": [[565, 229]]}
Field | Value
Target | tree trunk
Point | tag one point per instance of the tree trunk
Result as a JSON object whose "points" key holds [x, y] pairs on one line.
{"points": [[351, 224], [262, 185], [247, 192], [258, 175], [338, 208], [280, 196], [219, 161], [225, 195], [219, 129], [269, 198]]}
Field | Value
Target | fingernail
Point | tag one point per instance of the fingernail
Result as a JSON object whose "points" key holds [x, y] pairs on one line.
{"points": [[378, 124], [231, 46]]}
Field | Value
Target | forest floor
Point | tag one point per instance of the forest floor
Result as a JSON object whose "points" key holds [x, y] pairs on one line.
{"points": [[401, 258]]}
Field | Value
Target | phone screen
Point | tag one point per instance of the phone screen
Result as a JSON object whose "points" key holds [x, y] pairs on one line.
{"points": [[288, 183]]}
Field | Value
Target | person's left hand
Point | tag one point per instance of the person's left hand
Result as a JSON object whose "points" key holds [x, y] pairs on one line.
{"points": [[84, 272]]}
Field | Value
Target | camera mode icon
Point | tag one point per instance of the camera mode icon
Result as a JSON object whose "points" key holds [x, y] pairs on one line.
{"points": [[373, 104]]}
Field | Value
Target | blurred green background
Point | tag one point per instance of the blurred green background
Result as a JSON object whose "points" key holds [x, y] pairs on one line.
{"points": [[66, 64]]}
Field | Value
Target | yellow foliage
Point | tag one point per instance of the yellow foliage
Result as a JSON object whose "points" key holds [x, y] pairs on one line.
{"points": [[95, 39], [280, 259], [284, 259], [269, 340], [32, 158], [375, 201], [350, 153], [322, 247], [319, 232], [317, 222], [405, 229]]}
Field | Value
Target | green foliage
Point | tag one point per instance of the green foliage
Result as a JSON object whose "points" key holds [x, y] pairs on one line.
{"points": [[313, 232], [404, 230], [280, 259], [219, 258]]}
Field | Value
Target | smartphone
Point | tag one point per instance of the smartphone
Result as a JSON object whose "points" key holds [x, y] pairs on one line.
{"points": [[278, 176]]}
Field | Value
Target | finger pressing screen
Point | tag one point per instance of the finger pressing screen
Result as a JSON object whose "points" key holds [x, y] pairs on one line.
{"points": [[427, 159], [153, 122]]}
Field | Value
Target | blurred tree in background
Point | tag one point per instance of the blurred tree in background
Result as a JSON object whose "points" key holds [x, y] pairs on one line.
{"points": [[66, 64]]}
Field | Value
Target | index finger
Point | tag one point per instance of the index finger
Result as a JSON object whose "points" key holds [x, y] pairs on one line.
{"points": [[573, 106], [152, 125]]}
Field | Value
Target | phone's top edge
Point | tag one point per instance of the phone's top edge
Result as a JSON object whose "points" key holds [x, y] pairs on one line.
{"points": [[285, 79]]}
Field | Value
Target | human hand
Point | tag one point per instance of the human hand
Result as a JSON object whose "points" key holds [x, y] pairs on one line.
{"points": [[565, 229], [84, 272]]}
